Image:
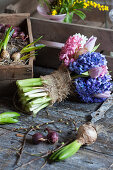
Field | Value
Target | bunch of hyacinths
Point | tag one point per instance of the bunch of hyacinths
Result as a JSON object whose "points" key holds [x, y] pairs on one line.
{"points": [[38, 93], [83, 61]]}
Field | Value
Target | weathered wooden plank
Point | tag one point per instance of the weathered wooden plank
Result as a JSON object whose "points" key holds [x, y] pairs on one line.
{"points": [[13, 19], [49, 29], [16, 72], [97, 156]]}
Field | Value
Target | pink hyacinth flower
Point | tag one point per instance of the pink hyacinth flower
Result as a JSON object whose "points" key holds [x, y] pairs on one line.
{"points": [[98, 71], [90, 43], [71, 47], [106, 94]]}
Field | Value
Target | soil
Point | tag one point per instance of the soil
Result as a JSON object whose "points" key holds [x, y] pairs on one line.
{"points": [[14, 45]]}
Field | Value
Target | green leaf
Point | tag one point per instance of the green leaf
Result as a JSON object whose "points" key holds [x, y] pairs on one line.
{"points": [[95, 48], [9, 117], [1, 45], [68, 17], [32, 43], [7, 37], [32, 48], [28, 56], [65, 152], [80, 14]]}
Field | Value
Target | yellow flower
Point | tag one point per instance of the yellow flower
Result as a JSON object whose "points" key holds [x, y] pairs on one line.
{"points": [[73, 4], [106, 8], [98, 5], [59, 2], [95, 5], [54, 12], [91, 3], [85, 5]]}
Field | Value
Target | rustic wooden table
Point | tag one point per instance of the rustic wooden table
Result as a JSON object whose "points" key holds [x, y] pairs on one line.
{"points": [[98, 156]]}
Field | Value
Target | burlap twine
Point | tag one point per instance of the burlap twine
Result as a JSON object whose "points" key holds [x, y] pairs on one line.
{"points": [[58, 84]]}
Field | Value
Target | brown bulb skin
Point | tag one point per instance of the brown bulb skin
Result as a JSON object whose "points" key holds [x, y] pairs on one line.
{"points": [[16, 57], [5, 54], [87, 134]]}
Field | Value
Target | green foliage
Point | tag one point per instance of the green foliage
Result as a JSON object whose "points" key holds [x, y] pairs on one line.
{"points": [[65, 152], [30, 48], [68, 7], [9, 117], [7, 37]]}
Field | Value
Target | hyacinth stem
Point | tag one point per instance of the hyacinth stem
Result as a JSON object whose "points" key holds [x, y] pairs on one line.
{"points": [[66, 151], [85, 74], [33, 95], [29, 82]]}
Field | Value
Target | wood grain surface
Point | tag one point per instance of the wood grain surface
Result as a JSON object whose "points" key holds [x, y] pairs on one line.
{"points": [[98, 156]]}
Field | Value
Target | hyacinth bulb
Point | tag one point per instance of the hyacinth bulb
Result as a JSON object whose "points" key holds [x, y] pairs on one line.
{"points": [[52, 136], [37, 138]]}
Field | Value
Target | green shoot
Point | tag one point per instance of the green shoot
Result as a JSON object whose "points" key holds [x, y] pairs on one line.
{"points": [[7, 37], [95, 48], [30, 44]]}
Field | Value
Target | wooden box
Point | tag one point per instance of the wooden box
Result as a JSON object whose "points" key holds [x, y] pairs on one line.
{"points": [[10, 73]]}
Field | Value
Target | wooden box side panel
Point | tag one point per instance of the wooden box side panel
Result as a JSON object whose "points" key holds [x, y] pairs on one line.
{"points": [[13, 19], [15, 72], [59, 32]]}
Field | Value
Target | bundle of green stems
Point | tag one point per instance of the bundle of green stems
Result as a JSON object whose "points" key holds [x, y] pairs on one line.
{"points": [[33, 95]]}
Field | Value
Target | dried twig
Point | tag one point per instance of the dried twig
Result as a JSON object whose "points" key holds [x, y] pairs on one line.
{"points": [[44, 164], [22, 147], [24, 138], [23, 165]]}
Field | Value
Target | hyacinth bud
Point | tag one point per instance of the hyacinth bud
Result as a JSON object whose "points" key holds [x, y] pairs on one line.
{"points": [[90, 43], [106, 94], [52, 136], [98, 71], [37, 138]]}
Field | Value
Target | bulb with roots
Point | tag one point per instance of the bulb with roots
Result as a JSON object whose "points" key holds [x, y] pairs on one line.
{"points": [[87, 134]]}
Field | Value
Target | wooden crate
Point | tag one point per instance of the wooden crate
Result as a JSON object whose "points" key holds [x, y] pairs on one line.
{"points": [[10, 73], [55, 34]]}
